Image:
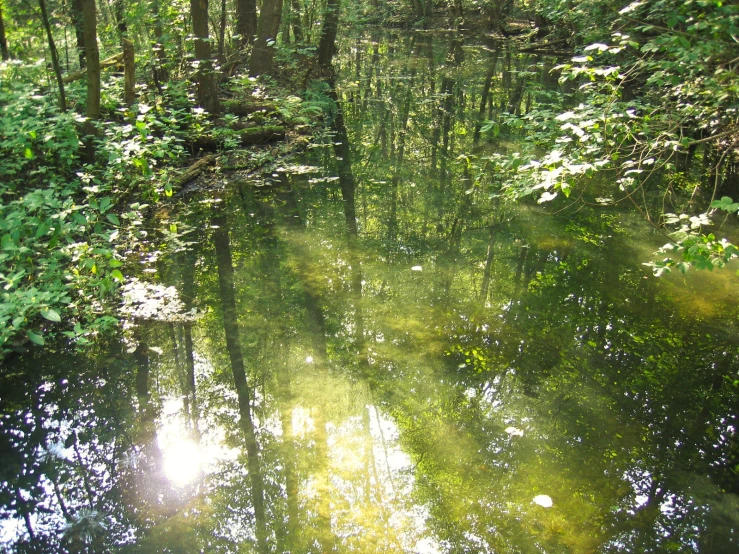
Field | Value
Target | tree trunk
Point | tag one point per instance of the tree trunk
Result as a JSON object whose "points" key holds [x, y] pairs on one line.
{"points": [[246, 20], [327, 45], [54, 55], [93, 60], [493, 63], [120, 18], [238, 370], [296, 21], [342, 151], [160, 71], [269, 23], [3, 40], [222, 33], [207, 94], [129, 68], [75, 9]]}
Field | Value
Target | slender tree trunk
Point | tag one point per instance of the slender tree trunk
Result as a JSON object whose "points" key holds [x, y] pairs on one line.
{"points": [[269, 23], [93, 75], [402, 132], [488, 268], [160, 71], [222, 32], [119, 12], [207, 93], [344, 161], [327, 44], [246, 20], [3, 40], [493, 63], [75, 12], [129, 67], [296, 21], [238, 370], [93, 59], [22, 507], [54, 55]]}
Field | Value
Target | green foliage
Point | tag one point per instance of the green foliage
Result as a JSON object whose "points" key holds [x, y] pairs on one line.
{"points": [[62, 224], [317, 100], [664, 93]]}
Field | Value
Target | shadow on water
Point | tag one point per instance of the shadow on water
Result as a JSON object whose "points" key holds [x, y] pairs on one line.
{"points": [[370, 350]]}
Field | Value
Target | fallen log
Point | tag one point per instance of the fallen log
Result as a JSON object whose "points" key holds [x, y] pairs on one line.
{"points": [[247, 108], [248, 137], [75, 75], [259, 135], [193, 171]]}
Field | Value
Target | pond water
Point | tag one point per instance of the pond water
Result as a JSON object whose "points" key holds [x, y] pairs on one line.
{"points": [[366, 350]]}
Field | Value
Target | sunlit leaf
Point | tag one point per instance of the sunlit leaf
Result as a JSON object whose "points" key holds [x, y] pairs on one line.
{"points": [[51, 315]]}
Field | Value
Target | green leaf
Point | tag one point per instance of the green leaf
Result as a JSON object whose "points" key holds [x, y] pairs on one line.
{"points": [[113, 219], [115, 263], [51, 315], [117, 275], [7, 242], [28, 153], [33, 337]]}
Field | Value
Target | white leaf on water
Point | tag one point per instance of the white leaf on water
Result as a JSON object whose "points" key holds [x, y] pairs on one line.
{"points": [[417, 268], [544, 500], [514, 432]]}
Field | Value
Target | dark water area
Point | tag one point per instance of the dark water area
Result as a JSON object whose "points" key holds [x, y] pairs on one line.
{"points": [[368, 349]]}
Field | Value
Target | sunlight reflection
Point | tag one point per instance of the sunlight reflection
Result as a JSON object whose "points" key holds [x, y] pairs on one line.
{"points": [[182, 461]]}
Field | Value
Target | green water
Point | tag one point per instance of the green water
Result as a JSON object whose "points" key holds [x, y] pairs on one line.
{"points": [[460, 375]]}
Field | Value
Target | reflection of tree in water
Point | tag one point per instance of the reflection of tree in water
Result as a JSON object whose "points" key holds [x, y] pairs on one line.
{"points": [[407, 361]]}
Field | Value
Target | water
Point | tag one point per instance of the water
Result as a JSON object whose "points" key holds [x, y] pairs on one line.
{"points": [[458, 375]]}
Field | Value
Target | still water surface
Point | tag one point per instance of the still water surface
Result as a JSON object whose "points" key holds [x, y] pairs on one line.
{"points": [[450, 374]]}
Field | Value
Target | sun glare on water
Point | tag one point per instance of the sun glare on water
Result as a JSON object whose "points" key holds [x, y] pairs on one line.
{"points": [[182, 461]]}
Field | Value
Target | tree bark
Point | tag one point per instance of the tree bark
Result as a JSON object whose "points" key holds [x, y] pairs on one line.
{"points": [[3, 39], [246, 20], [296, 21], [93, 60], [222, 33], [327, 44], [120, 18], [75, 9], [269, 23], [54, 55], [129, 68], [207, 94], [160, 71]]}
